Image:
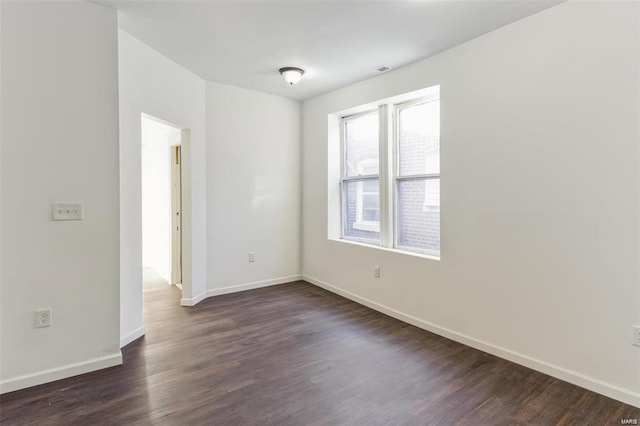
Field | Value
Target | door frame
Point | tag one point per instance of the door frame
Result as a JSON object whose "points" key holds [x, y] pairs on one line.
{"points": [[185, 165], [176, 213]]}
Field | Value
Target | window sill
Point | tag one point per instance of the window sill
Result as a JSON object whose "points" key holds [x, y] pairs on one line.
{"points": [[392, 250]]}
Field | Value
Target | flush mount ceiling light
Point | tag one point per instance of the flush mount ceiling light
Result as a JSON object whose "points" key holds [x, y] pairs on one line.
{"points": [[291, 75]]}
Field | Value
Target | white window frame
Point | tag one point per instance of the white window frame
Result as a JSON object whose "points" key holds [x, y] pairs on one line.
{"points": [[345, 180], [398, 178], [388, 175]]}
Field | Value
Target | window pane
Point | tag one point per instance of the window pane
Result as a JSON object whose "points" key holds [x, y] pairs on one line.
{"points": [[361, 145], [361, 200], [419, 214], [370, 186], [419, 139], [370, 205]]}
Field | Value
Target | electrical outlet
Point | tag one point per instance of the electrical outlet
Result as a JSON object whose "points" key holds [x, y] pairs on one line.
{"points": [[252, 256], [67, 211], [43, 318], [636, 335], [376, 272]]}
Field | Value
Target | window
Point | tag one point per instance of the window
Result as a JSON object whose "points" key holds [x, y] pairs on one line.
{"points": [[417, 181], [390, 180], [360, 182]]}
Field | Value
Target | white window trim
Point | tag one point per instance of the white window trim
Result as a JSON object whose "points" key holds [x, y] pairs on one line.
{"points": [[397, 177], [362, 225], [388, 172]]}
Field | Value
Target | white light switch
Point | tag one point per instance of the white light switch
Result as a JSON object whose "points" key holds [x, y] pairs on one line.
{"points": [[67, 211]]}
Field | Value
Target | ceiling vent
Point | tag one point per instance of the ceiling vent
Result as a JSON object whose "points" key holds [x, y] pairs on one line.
{"points": [[382, 68]]}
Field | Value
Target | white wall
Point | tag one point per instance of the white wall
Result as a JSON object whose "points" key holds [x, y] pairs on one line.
{"points": [[253, 188], [59, 143], [157, 139], [540, 197], [152, 84]]}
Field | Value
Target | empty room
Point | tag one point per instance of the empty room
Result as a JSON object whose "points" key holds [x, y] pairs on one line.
{"points": [[318, 212]]}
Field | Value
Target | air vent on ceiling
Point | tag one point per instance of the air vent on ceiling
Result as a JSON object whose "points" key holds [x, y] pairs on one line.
{"points": [[382, 68]]}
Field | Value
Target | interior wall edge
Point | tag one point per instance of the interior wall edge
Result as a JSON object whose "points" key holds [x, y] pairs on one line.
{"points": [[134, 335]]}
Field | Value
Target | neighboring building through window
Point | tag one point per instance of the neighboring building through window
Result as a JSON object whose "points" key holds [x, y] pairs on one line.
{"points": [[361, 210], [418, 176], [390, 184], [368, 200]]}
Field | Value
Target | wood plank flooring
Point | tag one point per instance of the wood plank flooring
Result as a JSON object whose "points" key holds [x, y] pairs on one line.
{"points": [[295, 354]]}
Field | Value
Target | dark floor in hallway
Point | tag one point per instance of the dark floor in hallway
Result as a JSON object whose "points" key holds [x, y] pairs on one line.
{"points": [[295, 354]]}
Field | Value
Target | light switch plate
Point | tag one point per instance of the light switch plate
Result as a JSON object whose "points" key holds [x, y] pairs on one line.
{"points": [[68, 211]]}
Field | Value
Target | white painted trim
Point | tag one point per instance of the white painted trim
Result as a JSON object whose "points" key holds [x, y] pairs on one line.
{"points": [[578, 379], [53, 374], [364, 243], [237, 288], [253, 285], [187, 218], [135, 334], [192, 301]]}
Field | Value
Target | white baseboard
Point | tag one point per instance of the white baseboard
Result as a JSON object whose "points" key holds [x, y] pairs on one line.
{"points": [[45, 376], [253, 285], [578, 379], [238, 287], [135, 334], [192, 301]]}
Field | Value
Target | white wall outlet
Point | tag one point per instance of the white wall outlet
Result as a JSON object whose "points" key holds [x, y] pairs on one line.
{"points": [[43, 318], [376, 272], [67, 211], [636, 335], [252, 256]]}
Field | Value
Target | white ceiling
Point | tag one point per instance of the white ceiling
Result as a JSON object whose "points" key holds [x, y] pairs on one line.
{"points": [[244, 43]]}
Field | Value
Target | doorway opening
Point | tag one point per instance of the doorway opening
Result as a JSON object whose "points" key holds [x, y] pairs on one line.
{"points": [[162, 206]]}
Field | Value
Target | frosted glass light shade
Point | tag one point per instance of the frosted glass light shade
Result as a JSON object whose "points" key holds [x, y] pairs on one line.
{"points": [[291, 75]]}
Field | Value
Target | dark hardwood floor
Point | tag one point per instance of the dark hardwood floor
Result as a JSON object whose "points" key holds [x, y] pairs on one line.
{"points": [[295, 354]]}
